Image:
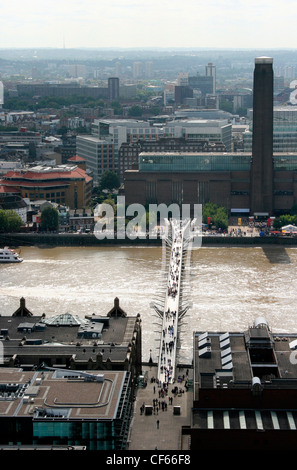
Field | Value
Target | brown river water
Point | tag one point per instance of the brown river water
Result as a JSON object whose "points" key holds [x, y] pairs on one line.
{"points": [[229, 287]]}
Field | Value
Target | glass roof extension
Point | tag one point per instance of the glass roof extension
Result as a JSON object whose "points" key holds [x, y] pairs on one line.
{"points": [[65, 319], [183, 162]]}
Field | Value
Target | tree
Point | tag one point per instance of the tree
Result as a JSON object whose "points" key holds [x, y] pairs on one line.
{"points": [[285, 219], [135, 111], [14, 221], [226, 105], [49, 219], [3, 221], [218, 215], [208, 210], [109, 180], [221, 218], [10, 221], [111, 203]]}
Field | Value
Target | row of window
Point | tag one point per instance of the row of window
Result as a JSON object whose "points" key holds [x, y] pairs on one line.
{"points": [[45, 195]]}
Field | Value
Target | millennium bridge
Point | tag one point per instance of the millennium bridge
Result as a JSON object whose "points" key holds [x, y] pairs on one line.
{"points": [[172, 303]]}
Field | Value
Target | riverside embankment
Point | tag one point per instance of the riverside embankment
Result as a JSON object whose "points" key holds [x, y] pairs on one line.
{"points": [[76, 239]]}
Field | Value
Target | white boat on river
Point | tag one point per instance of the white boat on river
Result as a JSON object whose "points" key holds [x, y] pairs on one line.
{"points": [[7, 255]]}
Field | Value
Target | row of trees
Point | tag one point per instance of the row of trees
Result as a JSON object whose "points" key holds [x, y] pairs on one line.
{"points": [[10, 221]]}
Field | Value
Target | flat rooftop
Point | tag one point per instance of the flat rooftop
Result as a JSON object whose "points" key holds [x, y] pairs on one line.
{"points": [[54, 394], [221, 357]]}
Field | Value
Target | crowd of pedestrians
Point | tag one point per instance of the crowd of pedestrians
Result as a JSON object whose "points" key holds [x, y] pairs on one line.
{"points": [[170, 317], [164, 394]]}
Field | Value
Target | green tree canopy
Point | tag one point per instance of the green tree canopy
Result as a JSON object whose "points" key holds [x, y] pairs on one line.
{"points": [[286, 219], [3, 221], [49, 219], [10, 221], [109, 180], [111, 203], [218, 215], [135, 111]]}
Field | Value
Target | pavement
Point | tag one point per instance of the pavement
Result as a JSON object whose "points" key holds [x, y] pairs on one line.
{"points": [[144, 432]]}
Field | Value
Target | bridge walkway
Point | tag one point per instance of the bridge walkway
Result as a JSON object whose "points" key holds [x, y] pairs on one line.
{"points": [[171, 313]]}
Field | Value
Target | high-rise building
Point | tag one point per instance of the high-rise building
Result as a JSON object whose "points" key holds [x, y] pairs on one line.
{"points": [[149, 69], [210, 71], [262, 146], [113, 88], [137, 70], [1, 94]]}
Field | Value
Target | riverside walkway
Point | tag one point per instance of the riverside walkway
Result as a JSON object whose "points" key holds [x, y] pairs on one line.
{"points": [[172, 305]]}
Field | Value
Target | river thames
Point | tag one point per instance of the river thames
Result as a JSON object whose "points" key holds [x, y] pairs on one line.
{"points": [[229, 286]]}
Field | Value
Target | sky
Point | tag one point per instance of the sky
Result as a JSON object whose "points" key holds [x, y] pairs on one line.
{"points": [[234, 24]]}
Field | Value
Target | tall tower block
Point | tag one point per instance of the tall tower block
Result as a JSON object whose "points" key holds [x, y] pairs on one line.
{"points": [[1, 94], [262, 147]]}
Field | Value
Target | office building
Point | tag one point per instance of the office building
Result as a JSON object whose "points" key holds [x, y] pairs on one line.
{"points": [[284, 130], [119, 131], [205, 84], [210, 71], [99, 155], [181, 93]]}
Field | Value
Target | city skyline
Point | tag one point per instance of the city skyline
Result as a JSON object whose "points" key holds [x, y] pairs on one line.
{"points": [[139, 24]]}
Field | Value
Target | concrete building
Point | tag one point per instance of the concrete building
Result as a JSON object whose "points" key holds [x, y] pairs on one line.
{"points": [[83, 410], [113, 88], [68, 380], [244, 390]]}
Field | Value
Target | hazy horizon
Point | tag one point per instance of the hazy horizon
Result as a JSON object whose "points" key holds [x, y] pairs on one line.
{"points": [[138, 24]]}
